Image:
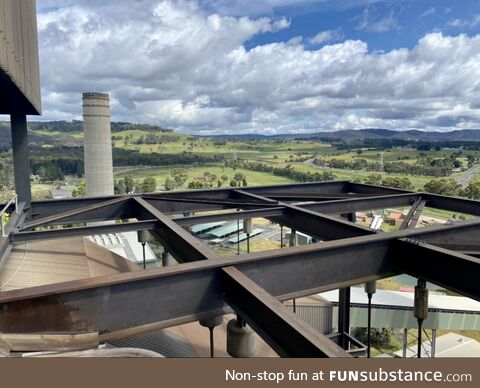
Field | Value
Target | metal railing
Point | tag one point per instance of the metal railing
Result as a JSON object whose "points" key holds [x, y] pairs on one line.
{"points": [[14, 200]]}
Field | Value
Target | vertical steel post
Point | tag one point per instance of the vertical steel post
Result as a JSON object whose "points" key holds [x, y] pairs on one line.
{"points": [[21, 167], [238, 235], [434, 341], [405, 342], [344, 315], [370, 289], [420, 310]]}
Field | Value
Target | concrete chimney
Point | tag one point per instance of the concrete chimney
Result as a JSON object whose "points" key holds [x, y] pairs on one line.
{"points": [[97, 144]]}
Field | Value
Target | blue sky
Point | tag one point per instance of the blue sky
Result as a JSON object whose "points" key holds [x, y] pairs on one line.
{"points": [[404, 21], [265, 66]]}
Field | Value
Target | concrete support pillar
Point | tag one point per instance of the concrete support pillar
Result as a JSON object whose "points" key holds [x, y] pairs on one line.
{"points": [[241, 339], [344, 315], [21, 167], [293, 238], [167, 259], [211, 324]]}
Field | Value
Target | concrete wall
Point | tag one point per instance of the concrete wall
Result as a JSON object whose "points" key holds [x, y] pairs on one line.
{"points": [[98, 144], [19, 65]]}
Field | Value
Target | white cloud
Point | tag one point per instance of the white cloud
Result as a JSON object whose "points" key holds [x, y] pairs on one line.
{"points": [[369, 21], [325, 36], [465, 23], [428, 12], [174, 64]]}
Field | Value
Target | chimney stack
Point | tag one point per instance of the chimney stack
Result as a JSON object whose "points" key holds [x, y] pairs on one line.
{"points": [[97, 144]]}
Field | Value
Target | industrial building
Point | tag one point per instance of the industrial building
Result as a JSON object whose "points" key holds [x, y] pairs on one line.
{"points": [[109, 299]]}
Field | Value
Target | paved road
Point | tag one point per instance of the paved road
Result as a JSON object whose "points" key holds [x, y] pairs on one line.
{"points": [[462, 181], [469, 174]]}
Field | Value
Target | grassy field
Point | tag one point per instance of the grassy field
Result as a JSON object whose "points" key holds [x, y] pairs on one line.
{"points": [[254, 178]]}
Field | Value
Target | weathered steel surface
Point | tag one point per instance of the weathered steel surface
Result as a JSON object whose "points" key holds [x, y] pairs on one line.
{"points": [[284, 331]]}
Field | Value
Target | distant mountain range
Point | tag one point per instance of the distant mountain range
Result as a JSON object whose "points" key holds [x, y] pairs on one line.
{"points": [[372, 133], [464, 135]]}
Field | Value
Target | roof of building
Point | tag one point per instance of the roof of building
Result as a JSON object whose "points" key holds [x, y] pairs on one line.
{"points": [[243, 236], [126, 245], [448, 345], [399, 299], [55, 261], [200, 228], [226, 230]]}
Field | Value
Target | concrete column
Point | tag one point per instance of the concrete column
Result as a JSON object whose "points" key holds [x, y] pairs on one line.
{"points": [[21, 167], [167, 259], [241, 339], [293, 238]]}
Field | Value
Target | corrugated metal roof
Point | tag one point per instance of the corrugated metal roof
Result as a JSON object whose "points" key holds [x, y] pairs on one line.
{"points": [[243, 236], [200, 228], [226, 230], [163, 342]]}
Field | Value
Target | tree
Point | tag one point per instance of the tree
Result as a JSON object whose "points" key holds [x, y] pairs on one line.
{"points": [[129, 184], [373, 179], [169, 183], [239, 176], [442, 187], [180, 175], [149, 185], [473, 190], [224, 178], [219, 183], [233, 183], [244, 182], [399, 183], [119, 187], [80, 191]]}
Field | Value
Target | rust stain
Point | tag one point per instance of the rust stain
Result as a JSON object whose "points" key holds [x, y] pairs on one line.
{"points": [[46, 315]]}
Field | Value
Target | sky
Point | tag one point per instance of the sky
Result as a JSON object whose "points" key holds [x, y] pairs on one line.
{"points": [[265, 66]]}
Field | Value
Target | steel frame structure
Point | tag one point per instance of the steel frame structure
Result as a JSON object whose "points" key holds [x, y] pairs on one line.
{"points": [[205, 285]]}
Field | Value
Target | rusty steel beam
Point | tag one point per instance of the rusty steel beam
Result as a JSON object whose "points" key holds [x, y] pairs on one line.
{"points": [[180, 243], [318, 225], [413, 216], [93, 208], [453, 270], [89, 230], [192, 291], [283, 330]]}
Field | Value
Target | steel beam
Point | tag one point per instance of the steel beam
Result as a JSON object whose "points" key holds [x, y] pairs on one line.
{"points": [[284, 331], [310, 222], [28, 236], [413, 216], [452, 270], [179, 294], [344, 316], [84, 211], [328, 207], [192, 291], [180, 243], [454, 204]]}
